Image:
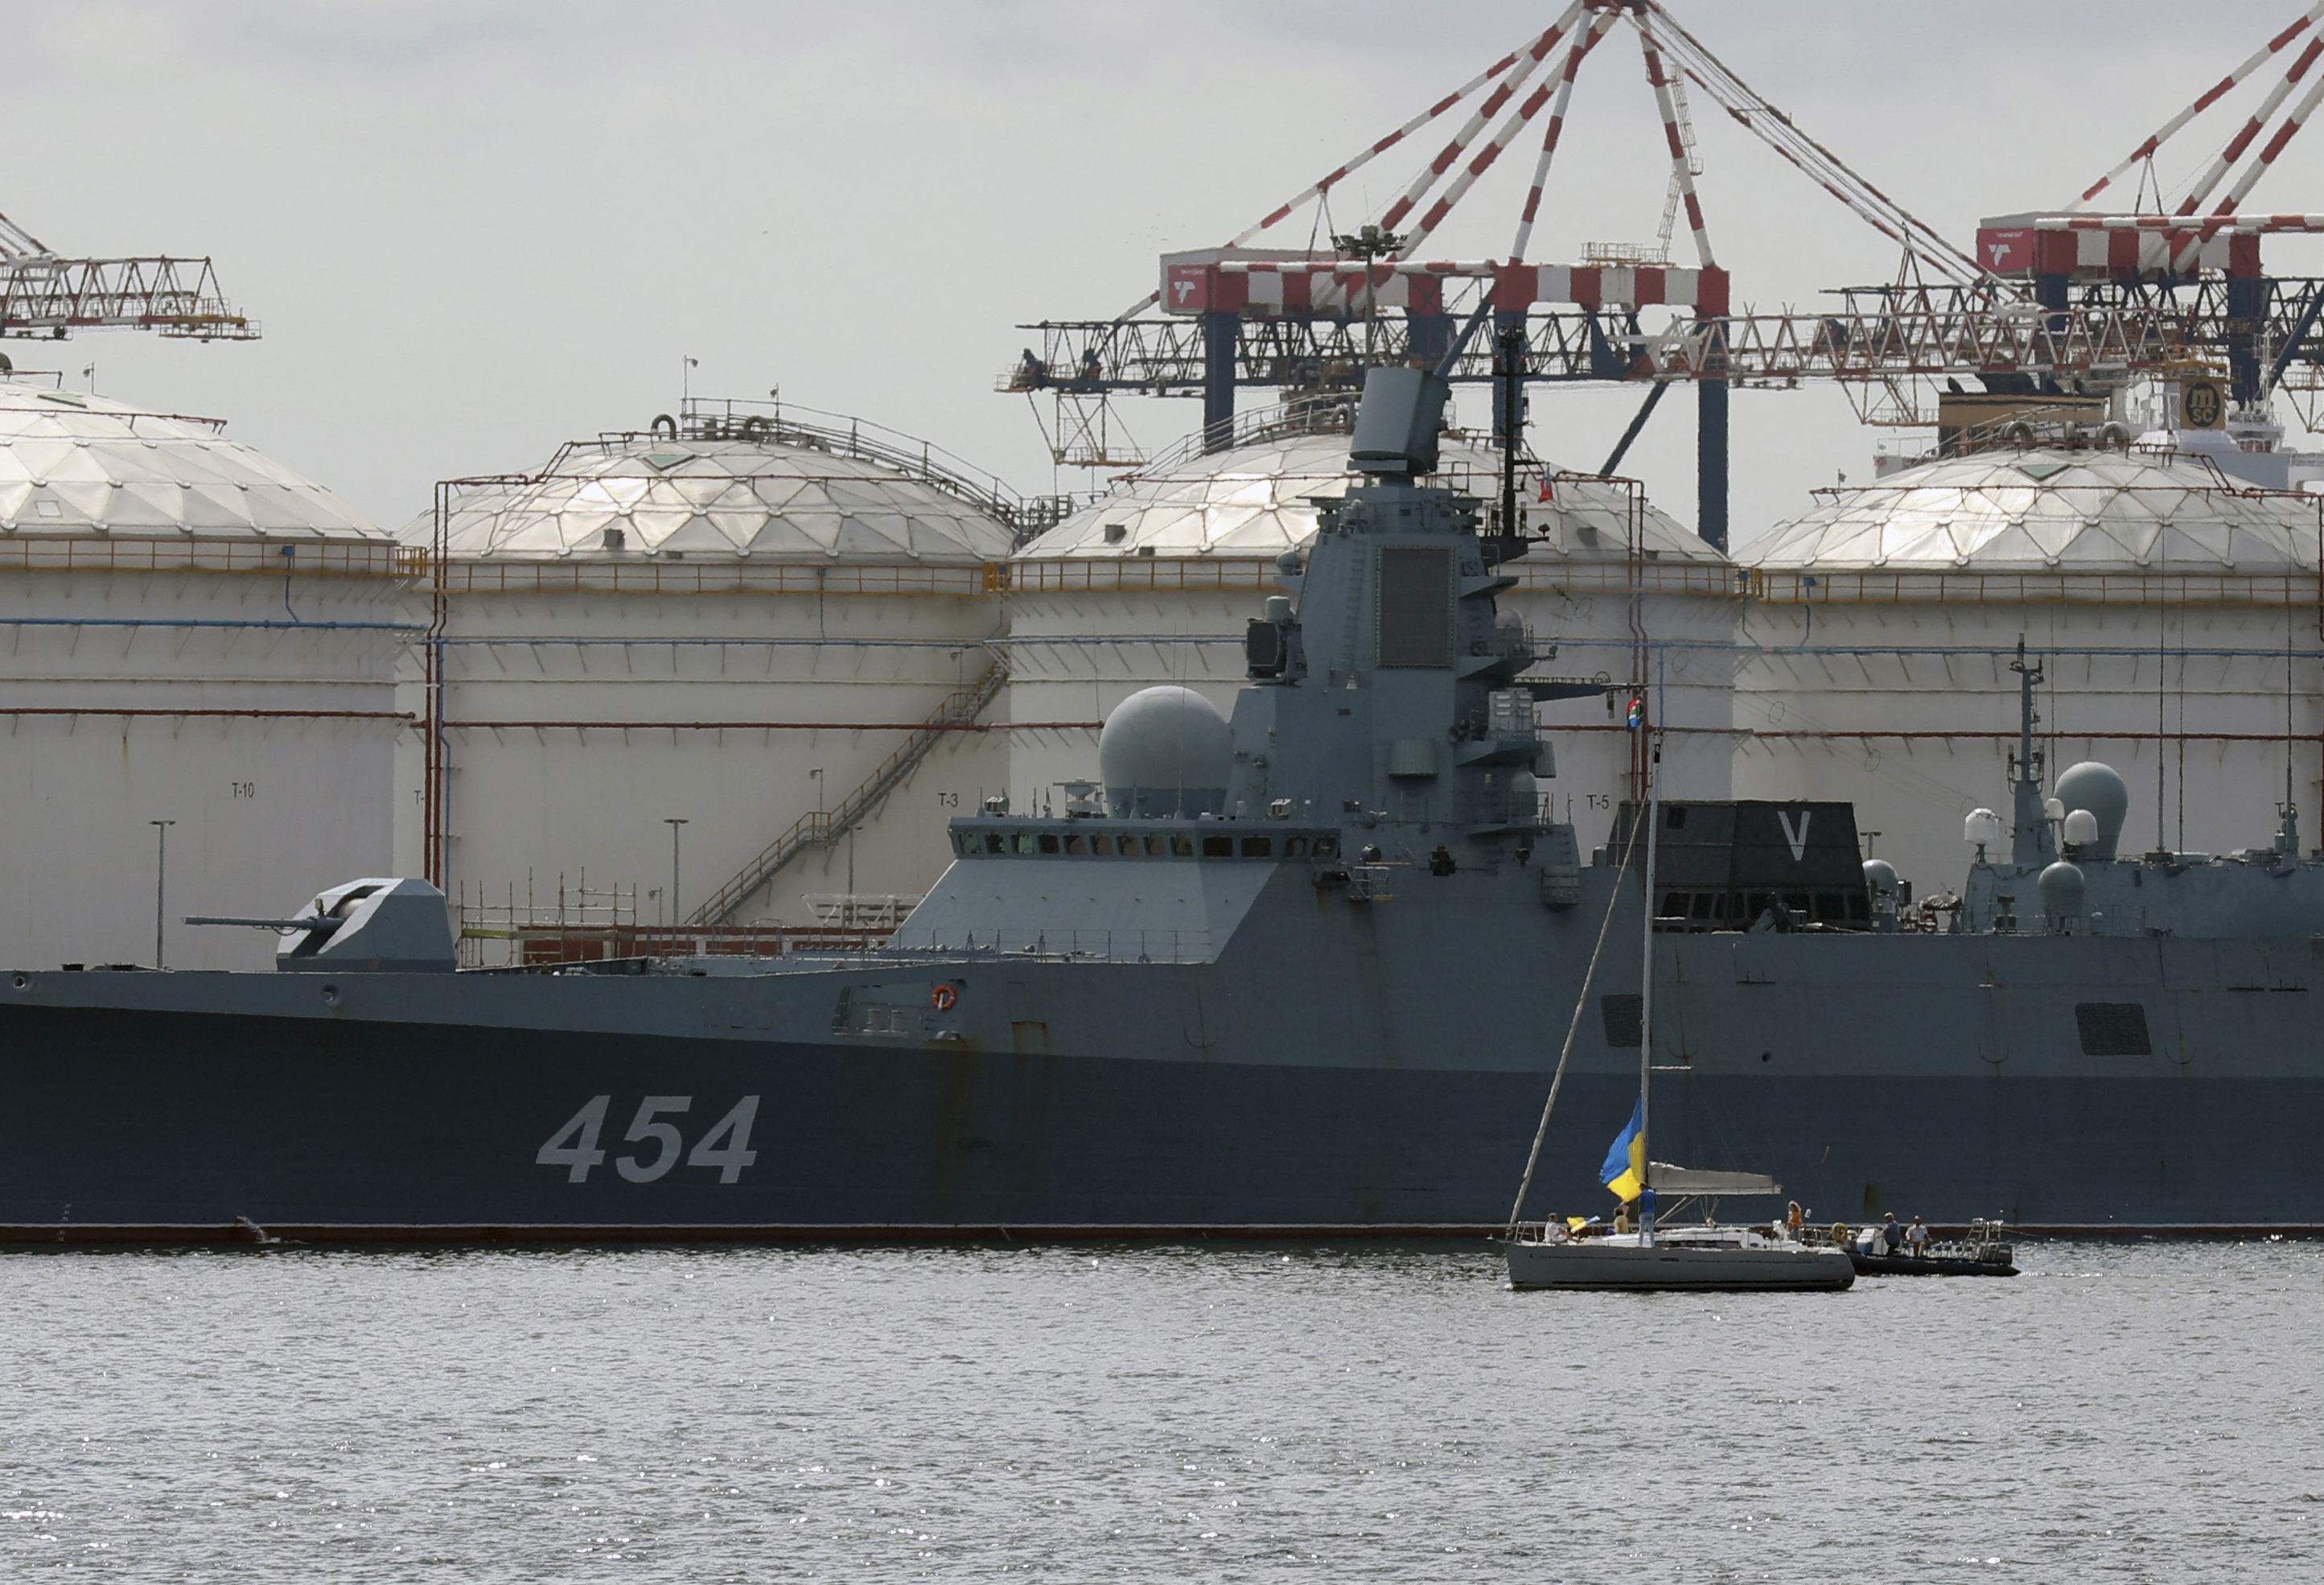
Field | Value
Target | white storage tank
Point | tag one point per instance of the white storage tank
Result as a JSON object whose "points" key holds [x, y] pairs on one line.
{"points": [[1155, 583], [196, 634], [2174, 613], [774, 629]]}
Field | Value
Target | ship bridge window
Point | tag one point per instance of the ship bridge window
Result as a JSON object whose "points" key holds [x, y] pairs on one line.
{"points": [[1181, 847], [1327, 847], [1049, 844], [1295, 847], [994, 842], [1798, 903], [1218, 847], [1101, 845], [1257, 847], [1077, 845], [1830, 908], [1025, 843]]}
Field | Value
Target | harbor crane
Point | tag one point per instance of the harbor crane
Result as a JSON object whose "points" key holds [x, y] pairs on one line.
{"points": [[48, 297], [2053, 309]]}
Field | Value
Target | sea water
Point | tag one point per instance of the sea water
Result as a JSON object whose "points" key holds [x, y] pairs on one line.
{"points": [[2138, 1411]]}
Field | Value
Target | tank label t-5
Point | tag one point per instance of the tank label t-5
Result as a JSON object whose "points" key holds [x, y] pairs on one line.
{"points": [[725, 1149]]}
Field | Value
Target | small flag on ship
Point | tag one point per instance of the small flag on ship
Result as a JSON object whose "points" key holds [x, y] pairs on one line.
{"points": [[1625, 1171]]}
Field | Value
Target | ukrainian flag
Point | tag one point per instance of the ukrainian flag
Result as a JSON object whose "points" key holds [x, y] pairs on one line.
{"points": [[1625, 1171]]}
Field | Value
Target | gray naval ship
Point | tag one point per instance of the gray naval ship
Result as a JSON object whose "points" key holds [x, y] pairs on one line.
{"points": [[1307, 971]]}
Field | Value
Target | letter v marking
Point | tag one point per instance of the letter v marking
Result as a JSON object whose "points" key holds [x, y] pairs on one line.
{"points": [[1798, 838]]}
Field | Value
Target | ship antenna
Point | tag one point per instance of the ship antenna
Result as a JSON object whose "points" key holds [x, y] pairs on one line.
{"points": [[2030, 843], [1508, 371]]}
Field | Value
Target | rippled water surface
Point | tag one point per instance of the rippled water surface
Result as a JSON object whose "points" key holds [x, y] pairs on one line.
{"points": [[2137, 1412]]}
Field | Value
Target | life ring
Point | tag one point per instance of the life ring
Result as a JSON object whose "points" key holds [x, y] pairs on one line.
{"points": [[943, 998]]}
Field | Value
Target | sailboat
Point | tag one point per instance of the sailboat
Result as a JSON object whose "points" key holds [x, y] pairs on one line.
{"points": [[1705, 1255]]}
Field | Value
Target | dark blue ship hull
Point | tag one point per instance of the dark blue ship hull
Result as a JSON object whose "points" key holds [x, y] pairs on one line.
{"points": [[125, 1122]]}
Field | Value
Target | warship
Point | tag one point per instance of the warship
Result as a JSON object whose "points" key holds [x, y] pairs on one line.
{"points": [[1302, 972]]}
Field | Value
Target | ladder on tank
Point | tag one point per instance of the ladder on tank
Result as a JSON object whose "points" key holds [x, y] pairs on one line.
{"points": [[821, 828]]}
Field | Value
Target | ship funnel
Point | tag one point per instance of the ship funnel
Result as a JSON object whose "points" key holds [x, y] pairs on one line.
{"points": [[2099, 789], [1396, 426]]}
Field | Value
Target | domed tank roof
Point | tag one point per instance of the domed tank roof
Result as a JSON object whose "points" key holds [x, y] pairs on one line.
{"points": [[1250, 500], [75, 466], [717, 497], [1164, 751], [2075, 510]]}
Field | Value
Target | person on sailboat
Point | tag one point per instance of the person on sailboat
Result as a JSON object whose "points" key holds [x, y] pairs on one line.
{"points": [[1794, 1218]]}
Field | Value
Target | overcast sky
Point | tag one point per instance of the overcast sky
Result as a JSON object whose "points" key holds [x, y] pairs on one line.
{"points": [[475, 228]]}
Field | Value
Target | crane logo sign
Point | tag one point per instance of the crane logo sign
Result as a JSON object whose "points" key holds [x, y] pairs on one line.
{"points": [[2201, 405]]}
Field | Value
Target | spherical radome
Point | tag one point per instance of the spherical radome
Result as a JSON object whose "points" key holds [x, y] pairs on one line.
{"points": [[2101, 790], [1164, 751]]}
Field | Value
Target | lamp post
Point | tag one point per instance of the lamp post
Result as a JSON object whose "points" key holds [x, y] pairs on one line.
{"points": [[674, 917], [161, 881]]}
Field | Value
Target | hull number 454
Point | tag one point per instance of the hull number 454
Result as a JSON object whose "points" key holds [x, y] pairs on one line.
{"points": [[725, 1149]]}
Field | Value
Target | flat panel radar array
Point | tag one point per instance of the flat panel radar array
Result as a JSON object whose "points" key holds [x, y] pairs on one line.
{"points": [[1415, 605]]}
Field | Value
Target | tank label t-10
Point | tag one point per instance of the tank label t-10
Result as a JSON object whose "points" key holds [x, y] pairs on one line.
{"points": [[726, 1148]]}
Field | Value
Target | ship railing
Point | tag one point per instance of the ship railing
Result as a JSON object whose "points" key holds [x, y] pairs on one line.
{"points": [[1982, 1240]]}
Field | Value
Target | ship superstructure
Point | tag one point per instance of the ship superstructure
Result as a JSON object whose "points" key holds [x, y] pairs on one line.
{"points": [[1304, 970]]}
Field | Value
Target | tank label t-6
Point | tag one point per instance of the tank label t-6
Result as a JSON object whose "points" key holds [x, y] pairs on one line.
{"points": [[726, 1148]]}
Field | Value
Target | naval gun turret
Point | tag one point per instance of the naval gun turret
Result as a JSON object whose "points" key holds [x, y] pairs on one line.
{"points": [[382, 925]]}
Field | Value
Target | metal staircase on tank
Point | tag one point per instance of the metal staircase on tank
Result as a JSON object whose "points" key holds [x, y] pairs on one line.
{"points": [[821, 828]]}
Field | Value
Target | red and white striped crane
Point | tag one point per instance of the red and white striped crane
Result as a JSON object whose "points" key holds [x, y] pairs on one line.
{"points": [[1244, 313]]}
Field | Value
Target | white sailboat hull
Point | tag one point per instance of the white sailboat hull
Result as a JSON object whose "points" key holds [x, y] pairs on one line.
{"points": [[1624, 1263]]}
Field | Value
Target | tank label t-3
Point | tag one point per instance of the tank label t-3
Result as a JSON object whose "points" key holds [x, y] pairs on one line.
{"points": [[726, 1148]]}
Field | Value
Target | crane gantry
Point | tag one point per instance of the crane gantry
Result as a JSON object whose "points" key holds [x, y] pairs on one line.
{"points": [[2072, 299], [44, 295]]}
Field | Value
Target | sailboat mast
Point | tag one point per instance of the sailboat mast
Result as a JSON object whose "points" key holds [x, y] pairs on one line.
{"points": [[1646, 1004]]}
